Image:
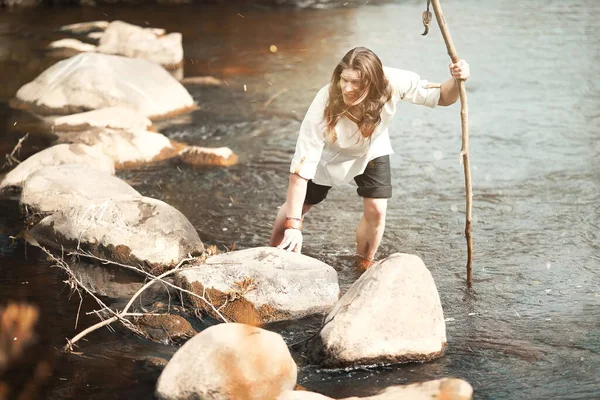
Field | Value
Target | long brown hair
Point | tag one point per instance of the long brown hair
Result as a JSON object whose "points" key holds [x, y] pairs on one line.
{"points": [[372, 80]]}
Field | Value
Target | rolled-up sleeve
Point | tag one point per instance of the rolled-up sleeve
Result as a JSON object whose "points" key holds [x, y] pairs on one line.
{"points": [[409, 87], [311, 139]]}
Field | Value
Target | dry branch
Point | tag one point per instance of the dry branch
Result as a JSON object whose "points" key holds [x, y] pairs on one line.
{"points": [[77, 285], [11, 159]]}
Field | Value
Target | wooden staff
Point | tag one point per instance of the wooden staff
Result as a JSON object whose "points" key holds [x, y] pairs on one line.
{"points": [[464, 117]]}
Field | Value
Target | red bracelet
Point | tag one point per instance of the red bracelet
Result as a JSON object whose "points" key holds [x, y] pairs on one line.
{"points": [[293, 224]]}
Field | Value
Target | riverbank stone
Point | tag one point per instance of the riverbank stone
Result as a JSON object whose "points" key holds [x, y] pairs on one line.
{"points": [[58, 188], [138, 231], [128, 40], [229, 361], [91, 81], [391, 314], [263, 284], [60, 154]]}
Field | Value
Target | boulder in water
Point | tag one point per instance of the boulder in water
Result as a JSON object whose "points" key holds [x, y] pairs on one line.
{"points": [[391, 314], [58, 188], [91, 81], [125, 147], [136, 231], [133, 41], [58, 155], [229, 361], [111, 117], [263, 284]]}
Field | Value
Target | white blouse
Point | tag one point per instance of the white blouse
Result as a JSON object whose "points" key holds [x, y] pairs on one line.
{"points": [[339, 162]]}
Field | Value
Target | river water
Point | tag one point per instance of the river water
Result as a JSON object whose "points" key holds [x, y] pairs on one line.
{"points": [[529, 329]]}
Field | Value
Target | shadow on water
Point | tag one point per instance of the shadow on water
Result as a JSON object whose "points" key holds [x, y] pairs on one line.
{"points": [[529, 329]]}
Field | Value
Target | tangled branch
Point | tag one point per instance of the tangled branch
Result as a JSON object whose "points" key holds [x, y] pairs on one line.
{"points": [[77, 285]]}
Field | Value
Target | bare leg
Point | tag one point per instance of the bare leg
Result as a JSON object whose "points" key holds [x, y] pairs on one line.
{"points": [[370, 231], [278, 226]]}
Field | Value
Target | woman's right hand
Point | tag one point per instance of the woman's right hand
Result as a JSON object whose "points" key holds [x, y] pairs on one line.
{"points": [[292, 240]]}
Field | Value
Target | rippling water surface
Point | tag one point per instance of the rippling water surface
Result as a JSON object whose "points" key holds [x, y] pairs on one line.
{"points": [[531, 326]]}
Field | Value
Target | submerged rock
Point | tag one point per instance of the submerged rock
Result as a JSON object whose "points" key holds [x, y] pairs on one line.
{"points": [[138, 231], [263, 284], [391, 314], [111, 117], [58, 188], [153, 45], [229, 361], [165, 328], [125, 147], [58, 155], [91, 81]]}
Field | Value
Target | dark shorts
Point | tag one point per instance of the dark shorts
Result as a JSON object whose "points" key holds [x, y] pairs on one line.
{"points": [[374, 183]]}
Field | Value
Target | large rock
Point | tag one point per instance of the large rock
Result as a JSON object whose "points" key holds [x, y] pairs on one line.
{"points": [[263, 284], [58, 155], [391, 314], [59, 188], [134, 231], [229, 361], [91, 81], [441, 389], [111, 117], [125, 147], [133, 41]]}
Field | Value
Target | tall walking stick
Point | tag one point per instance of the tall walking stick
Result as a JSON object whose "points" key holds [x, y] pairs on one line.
{"points": [[464, 117]]}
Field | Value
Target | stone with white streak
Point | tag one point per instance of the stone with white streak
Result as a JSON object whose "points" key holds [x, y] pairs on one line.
{"points": [[229, 361], [91, 81], [61, 187], [268, 284], [137, 231], [391, 314], [58, 155], [133, 41]]}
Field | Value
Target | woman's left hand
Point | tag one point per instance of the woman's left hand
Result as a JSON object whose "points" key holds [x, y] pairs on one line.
{"points": [[460, 70]]}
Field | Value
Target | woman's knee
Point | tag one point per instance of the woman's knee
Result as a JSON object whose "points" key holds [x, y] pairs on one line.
{"points": [[375, 210]]}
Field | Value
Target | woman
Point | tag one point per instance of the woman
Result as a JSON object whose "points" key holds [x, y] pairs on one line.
{"points": [[345, 136]]}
